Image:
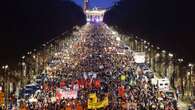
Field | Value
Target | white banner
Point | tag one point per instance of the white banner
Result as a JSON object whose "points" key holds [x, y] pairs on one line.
{"points": [[139, 57], [71, 94]]}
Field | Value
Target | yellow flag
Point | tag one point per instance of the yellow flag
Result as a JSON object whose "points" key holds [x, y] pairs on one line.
{"points": [[93, 104], [103, 103], [123, 77], [1, 98], [92, 101]]}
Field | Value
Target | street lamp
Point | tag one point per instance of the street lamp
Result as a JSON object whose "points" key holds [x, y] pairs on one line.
{"points": [[34, 50], [170, 65], [180, 60], [157, 55], [156, 64], [190, 65], [145, 41], [170, 55], [190, 74], [163, 51], [23, 57], [29, 53], [5, 68], [145, 46], [34, 56], [44, 45]]}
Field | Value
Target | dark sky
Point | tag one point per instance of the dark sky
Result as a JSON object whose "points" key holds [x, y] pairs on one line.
{"points": [[170, 24], [97, 3], [26, 24]]}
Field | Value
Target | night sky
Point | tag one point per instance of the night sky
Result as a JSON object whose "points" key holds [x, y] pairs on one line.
{"points": [[27, 24], [97, 3]]}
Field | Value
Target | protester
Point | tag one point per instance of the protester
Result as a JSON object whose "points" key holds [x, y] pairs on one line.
{"points": [[96, 64]]}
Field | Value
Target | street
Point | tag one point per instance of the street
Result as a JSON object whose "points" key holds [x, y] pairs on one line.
{"points": [[95, 71]]}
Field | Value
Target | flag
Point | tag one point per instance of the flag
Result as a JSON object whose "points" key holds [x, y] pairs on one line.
{"points": [[123, 77], [97, 84], [94, 104], [121, 91]]}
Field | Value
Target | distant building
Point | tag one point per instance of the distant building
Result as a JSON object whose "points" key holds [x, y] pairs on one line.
{"points": [[95, 15]]}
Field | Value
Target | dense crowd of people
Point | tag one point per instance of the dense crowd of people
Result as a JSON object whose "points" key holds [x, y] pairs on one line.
{"points": [[101, 65]]}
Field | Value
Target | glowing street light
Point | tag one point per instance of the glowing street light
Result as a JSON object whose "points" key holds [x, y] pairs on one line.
{"points": [[56, 54], [23, 57], [114, 33], [29, 53], [43, 45], [157, 55], [145, 41], [190, 75], [170, 55], [34, 56], [163, 51], [190, 65], [118, 38], [5, 67], [23, 64], [180, 60]]}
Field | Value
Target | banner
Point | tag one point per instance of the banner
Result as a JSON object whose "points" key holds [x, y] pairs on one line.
{"points": [[139, 57], [103, 103], [92, 98], [72, 94], [94, 104], [2, 98], [97, 84], [121, 91]]}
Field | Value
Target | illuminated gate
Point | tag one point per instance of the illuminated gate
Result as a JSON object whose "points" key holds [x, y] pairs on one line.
{"points": [[95, 15]]}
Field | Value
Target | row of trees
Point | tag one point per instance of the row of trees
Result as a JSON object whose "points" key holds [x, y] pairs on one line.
{"points": [[25, 25], [165, 64], [166, 23]]}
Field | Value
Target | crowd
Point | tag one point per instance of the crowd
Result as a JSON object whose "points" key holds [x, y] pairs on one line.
{"points": [[101, 79]]}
